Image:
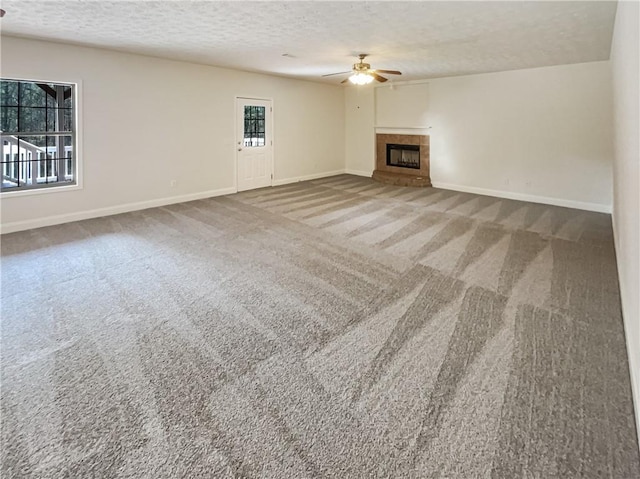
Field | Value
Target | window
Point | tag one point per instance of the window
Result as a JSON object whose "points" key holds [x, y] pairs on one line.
{"points": [[37, 123], [254, 126]]}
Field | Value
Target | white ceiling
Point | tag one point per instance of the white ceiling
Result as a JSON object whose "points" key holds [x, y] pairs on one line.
{"points": [[422, 39]]}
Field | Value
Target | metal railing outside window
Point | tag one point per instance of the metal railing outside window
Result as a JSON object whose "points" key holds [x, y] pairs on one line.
{"points": [[37, 126]]}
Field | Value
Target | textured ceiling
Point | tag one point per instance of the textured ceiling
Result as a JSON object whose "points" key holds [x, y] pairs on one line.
{"points": [[422, 39]]}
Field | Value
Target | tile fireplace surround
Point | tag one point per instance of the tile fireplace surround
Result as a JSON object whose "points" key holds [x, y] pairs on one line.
{"points": [[397, 175]]}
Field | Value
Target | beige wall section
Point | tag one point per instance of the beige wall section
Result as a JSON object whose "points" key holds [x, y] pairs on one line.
{"points": [[543, 132], [360, 141], [403, 105], [540, 134], [625, 64], [147, 121]]}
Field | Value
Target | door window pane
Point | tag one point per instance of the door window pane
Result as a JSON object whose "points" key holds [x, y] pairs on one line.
{"points": [[254, 126]]}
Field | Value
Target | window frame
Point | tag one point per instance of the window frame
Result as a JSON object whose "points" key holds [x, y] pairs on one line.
{"points": [[76, 135]]}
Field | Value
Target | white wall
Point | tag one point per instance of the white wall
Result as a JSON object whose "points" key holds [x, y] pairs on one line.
{"points": [[540, 134], [360, 136], [544, 132], [625, 65], [402, 106], [147, 121]]}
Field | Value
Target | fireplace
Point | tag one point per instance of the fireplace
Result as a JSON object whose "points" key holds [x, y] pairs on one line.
{"points": [[404, 156], [402, 159]]}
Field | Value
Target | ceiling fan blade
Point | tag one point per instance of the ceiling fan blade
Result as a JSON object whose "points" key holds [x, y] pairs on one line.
{"points": [[378, 77], [390, 72], [345, 80], [339, 73]]}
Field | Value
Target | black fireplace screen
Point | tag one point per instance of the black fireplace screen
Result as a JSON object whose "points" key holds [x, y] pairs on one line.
{"points": [[405, 156]]}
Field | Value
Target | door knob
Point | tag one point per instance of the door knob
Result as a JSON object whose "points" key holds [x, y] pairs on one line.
{"points": [[239, 149]]}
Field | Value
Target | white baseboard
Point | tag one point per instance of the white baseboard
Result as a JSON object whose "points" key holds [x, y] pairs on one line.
{"points": [[108, 211], [358, 172], [315, 176], [580, 205], [114, 210]]}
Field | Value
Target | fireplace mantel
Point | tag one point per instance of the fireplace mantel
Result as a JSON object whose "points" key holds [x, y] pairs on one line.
{"points": [[388, 130], [398, 175]]}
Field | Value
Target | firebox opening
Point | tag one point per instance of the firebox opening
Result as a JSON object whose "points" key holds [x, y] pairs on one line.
{"points": [[404, 156]]}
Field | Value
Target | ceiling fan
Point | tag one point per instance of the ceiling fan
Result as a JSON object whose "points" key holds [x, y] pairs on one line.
{"points": [[362, 73]]}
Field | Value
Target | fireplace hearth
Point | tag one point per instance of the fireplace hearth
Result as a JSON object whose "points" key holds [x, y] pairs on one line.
{"points": [[402, 160]]}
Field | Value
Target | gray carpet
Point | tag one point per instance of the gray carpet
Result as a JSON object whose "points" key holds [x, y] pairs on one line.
{"points": [[331, 328]]}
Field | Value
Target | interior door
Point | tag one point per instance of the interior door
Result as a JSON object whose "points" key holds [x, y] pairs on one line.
{"points": [[254, 143]]}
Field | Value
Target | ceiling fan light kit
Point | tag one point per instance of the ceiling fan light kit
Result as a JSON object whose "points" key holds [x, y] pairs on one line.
{"points": [[360, 78]]}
